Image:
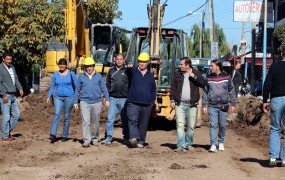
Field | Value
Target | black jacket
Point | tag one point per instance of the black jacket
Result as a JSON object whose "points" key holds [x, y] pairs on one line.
{"points": [[195, 83], [117, 82]]}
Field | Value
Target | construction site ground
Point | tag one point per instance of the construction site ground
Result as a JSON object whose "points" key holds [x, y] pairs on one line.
{"points": [[32, 156]]}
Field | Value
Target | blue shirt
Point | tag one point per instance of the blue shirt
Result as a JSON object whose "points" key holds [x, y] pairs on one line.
{"points": [[62, 84], [89, 90]]}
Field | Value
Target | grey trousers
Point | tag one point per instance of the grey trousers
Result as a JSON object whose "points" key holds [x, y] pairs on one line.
{"points": [[93, 110]]}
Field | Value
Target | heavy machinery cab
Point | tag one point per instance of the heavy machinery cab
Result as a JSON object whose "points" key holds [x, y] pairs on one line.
{"points": [[173, 46], [105, 44]]}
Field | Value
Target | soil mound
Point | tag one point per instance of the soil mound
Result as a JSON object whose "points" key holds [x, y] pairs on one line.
{"points": [[251, 122]]}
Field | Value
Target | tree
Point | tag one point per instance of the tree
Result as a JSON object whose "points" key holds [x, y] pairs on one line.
{"points": [[279, 36], [194, 45], [103, 11], [25, 25]]}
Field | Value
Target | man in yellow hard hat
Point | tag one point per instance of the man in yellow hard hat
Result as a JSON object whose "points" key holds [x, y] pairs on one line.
{"points": [[140, 100], [90, 85]]}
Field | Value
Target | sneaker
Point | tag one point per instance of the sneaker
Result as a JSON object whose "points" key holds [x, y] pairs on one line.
{"points": [[140, 146], [283, 163], [106, 142], [190, 148], [86, 144], [52, 138], [221, 147], [134, 142], [272, 162], [213, 148], [94, 141], [180, 149], [64, 139]]}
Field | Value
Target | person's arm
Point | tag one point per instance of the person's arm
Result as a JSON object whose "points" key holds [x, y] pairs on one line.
{"points": [[205, 98], [2, 88], [77, 90], [108, 80], [173, 89], [104, 88], [153, 91], [52, 86], [232, 93], [268, 84], [74, 79], [199, 80]]}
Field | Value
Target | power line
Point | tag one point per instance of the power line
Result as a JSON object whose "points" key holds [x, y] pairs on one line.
{"points": [[186, 14]]}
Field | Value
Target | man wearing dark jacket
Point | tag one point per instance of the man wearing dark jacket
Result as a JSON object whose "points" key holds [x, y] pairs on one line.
{"points": [[274, 86], [140, 100], [184, 96], [117, 84], [9, 84]]}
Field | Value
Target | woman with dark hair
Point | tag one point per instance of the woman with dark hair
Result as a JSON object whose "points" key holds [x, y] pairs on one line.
{"points": [[63, 83], [215, 103]]}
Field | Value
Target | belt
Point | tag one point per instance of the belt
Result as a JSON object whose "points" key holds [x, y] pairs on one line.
{"points": [[186, 101]]}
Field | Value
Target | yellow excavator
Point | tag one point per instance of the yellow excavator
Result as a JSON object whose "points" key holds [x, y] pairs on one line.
{"points": [[165, 46], [103, 38]]}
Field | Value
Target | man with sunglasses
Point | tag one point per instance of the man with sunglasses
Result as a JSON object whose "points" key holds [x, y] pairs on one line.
{"points": [[89, 87], [140, 100]]}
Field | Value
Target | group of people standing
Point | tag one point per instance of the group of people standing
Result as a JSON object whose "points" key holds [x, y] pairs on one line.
{"points": [[131, 90]]}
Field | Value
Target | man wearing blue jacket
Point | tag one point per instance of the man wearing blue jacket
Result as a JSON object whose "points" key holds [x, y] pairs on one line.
{"points": [[140, 100], [89, 87]]}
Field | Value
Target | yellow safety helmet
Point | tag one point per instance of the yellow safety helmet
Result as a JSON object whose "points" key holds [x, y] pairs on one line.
{"points": [[143, 56], [89, 61]]}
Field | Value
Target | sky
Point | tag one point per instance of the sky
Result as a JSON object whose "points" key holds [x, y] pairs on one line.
{"points": [[135, 15]]}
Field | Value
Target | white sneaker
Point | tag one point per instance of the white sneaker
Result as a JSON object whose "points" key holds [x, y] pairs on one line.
{"points": [[221, 147], [213, 148]]}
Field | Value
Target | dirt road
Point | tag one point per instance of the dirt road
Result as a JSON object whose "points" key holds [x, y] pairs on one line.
{"points": [[31, 156]]}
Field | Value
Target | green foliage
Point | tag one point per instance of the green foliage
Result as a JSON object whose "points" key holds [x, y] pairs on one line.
{"points": [[103, 11], [279, 36], [24, 29], [25, 25], [194, 45]]}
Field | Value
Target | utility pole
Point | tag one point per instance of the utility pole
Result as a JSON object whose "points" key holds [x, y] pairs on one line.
{"points": [[243, 42], [212, 20], [202, 35], [264, 43], [253, 39]]}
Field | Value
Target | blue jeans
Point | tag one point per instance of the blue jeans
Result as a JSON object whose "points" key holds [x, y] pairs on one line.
{"points": [[276, 113], [10, 115], [115, 104], [138, 117], [60, 103], [185, 115], [217, 117], [93, 112]]}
